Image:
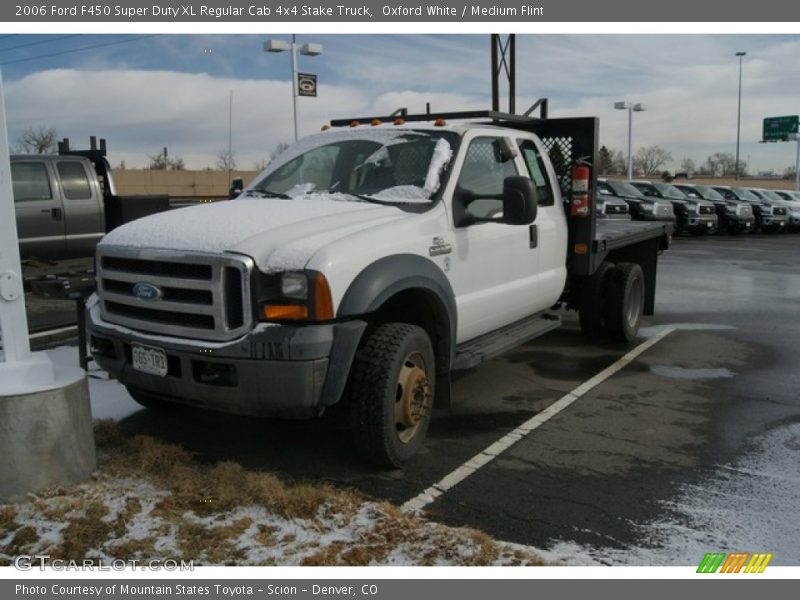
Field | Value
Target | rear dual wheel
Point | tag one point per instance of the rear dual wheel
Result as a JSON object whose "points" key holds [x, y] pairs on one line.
{"points": [[612, 302], [625, 305]]}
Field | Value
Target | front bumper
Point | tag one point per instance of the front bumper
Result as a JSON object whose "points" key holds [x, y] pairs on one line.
{"points": [[273, 371], [774, 222], [702, 222]]}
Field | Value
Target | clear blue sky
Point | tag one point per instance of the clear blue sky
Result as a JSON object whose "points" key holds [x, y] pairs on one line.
{"points": [[172, 90]]}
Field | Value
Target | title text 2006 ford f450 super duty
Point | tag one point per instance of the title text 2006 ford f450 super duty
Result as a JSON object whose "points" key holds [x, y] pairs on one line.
{"points": [[367, 263]]}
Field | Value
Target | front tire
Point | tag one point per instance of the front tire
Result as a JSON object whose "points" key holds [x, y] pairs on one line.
{"points": [[626, 296], [392, 393]]}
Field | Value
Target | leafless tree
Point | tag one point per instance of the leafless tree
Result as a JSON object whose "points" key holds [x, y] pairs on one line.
{"points": [[226, 161], [722, 164], [39, 140], [648, 160], [162, 162], [688, 165]]}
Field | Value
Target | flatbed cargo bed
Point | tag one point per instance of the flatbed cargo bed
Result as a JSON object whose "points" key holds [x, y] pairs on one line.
{"points": [[612, 234]]}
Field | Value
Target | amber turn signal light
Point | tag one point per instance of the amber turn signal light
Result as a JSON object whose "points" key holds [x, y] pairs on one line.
{"points": [[323, 303], [279, 312]]}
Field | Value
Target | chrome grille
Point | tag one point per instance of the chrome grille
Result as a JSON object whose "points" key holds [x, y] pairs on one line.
{"points": [[616, 209], [198, 296], [778, 210], [706, 209], [744, 211], [663, 210]]}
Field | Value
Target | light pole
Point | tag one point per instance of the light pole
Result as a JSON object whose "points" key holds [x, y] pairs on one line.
{"points": [[631, 108], [305, 49], [739, 112]]}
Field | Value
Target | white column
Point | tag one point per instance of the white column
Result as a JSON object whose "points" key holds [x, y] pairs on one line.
{"points": [[13, 321]]}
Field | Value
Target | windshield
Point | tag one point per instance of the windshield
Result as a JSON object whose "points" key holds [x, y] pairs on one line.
{"points": [[770, 195], [746, 194], [386, 166], [670, 191], [689, 192], [625, 189], [709, 193]]}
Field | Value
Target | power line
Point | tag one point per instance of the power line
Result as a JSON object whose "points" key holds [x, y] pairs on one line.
{"points": [[38, 42], [103, 45]]}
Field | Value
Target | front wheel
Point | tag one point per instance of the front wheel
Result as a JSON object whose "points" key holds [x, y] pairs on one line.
{"points": [[392, 393]]}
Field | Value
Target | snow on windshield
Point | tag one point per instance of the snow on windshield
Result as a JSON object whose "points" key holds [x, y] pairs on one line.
{"points": [[399, 165]]}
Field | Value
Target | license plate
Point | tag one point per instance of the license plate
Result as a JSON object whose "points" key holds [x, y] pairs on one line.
{"points": [[149, 360]]}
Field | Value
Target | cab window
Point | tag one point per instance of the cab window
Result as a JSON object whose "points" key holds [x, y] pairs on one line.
{"points": [[537, 172], [30, 181], [74, 181], [482, 175]]}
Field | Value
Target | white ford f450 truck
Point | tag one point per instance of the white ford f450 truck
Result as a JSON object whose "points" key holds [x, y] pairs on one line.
{"points": [[366, 264]]}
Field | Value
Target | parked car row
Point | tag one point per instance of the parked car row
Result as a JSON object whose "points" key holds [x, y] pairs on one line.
{"points": [[699, 209]]}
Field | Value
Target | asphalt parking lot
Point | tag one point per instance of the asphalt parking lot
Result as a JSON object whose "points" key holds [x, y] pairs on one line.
{"points": [[691, 448]]}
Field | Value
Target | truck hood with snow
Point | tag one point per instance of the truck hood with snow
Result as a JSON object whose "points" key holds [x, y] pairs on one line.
{"points": [[278, 234]]}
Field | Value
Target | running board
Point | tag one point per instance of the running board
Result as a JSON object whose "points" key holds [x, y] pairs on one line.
{"points": [[485, 347]]}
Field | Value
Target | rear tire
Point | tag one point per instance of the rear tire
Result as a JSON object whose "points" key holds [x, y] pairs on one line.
{"points": [[625, 306], [392, 393], [591, 311]]}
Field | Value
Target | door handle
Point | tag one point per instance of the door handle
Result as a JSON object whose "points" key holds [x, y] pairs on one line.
{"points": [[56, 213], [533, 237]]}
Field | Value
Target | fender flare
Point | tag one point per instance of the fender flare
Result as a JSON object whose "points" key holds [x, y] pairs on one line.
{"points": [[392, 274]]}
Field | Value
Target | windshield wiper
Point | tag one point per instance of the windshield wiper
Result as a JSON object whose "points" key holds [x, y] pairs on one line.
{"points": [[370, 198], [266, 194]]}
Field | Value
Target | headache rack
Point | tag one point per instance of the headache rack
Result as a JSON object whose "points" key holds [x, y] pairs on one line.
{"points": [[567, 141]]}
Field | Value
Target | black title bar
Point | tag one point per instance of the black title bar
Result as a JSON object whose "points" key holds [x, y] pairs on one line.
{"points": [[337, 11]]}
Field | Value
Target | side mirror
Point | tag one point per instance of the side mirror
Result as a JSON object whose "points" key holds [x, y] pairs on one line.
{"points": [[237, 185], [519, 201]]}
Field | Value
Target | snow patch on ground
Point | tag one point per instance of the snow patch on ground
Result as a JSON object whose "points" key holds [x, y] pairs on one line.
{"points": [[109, 399], [747, 506]]}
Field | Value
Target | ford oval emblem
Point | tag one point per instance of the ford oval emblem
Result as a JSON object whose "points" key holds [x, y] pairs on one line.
{"points": [[146, 292]]}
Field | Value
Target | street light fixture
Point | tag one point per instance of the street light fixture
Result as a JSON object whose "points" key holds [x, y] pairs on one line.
{"points": [[293, 47], [739, 112], [631, 108]]}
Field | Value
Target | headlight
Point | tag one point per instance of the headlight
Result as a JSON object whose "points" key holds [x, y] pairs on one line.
{"points": [[294, 285], [295, 296]]}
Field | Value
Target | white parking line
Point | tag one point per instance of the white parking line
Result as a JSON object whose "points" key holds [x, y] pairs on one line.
{"points": [[493, 451]]}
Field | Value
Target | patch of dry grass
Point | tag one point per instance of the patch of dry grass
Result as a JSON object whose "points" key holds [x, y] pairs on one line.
{"points": [[210, 514], [7, 515]]}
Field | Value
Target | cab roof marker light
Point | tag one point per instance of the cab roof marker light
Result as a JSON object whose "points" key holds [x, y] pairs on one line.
{"points": [[354, 123], [375, 122], [439, 122]]}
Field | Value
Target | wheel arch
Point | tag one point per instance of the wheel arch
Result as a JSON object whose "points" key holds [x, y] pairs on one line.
{"points": [[408, 288]]}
